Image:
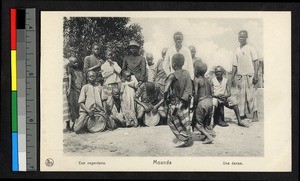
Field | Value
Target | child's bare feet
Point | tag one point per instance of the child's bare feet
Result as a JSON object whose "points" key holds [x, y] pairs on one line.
{"points": [[243, 124], [66, 130], [208, 140], [255, 117], [175, 140], [179, 143], [188, 142], [211, 133]]}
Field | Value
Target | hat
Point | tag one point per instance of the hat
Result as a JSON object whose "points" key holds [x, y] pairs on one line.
{"points": [[133, 43]]}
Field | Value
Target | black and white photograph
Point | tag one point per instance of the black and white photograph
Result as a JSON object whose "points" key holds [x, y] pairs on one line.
{"points": [[163, 86], [159, 86]]}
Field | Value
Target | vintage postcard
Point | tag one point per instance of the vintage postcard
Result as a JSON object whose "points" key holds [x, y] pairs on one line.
{"points": [[165, 91]]}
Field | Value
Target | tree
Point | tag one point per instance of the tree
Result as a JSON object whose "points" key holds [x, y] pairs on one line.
{"points": [[109, 32]]}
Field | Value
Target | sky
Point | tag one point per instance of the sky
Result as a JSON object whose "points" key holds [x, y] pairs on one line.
{"points": [[215, 39]]}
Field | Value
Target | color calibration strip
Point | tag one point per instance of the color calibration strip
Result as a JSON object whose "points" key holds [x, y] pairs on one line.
{"points": [[23, 76], [14, 98], [31, 92]]}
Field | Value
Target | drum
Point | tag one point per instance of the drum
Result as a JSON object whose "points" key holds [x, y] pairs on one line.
{"points": [[151, 119], [96, 123]]}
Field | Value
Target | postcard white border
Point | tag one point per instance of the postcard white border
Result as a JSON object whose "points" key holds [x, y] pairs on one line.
{"points": [[277, 100]]}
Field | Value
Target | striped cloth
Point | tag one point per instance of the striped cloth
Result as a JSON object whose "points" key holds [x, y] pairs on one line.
{"points": [[66, 109], [179, 121]]}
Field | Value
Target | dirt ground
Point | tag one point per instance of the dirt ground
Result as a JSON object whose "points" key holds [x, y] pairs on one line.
{"points": [[157, 141]]}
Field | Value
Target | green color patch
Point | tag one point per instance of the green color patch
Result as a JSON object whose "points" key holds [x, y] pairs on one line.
{"points": [[14, 111]]}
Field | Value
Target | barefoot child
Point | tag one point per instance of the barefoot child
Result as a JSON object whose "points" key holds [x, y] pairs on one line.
{"points": [[202, 101], [66, 92], [90, 102], [76, 84], [128, 88], [177, 94]]}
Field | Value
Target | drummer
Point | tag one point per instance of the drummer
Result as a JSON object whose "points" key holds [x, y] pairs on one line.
{"points": [[113, 108], [149, 98], [90, 102]]}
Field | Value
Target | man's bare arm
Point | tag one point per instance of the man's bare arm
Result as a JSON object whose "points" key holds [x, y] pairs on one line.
{"points": [[234, 70], [256, 67], [169, 82], [196, 96]]}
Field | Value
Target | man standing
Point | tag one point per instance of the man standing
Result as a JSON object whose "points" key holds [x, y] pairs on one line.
{"points": [[179, 48], [246, 67], [135, 63]]}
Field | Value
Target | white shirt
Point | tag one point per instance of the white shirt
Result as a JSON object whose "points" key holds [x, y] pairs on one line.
{"points": [[151, 73], [244, 60], [108, 72], [188, 61], [219, 87]]}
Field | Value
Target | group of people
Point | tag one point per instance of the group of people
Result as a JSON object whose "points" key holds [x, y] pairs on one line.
{"points": [[176, 89]]}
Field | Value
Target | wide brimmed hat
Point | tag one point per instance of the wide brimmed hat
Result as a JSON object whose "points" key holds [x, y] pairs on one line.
{"points": [[133, 43]]}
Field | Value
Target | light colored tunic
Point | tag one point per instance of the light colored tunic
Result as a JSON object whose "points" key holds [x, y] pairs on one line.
{"points": [[91, 96], [109, 73], [128, 104], [219, 87], [244, 60], [188, 61], [151, 73]]}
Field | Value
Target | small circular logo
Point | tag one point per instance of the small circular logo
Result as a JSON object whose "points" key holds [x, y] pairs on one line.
{"points": [[49, 162]]}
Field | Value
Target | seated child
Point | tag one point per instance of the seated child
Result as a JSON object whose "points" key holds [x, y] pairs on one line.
{"points": [[221, 93], [90, 102], [202, 101], [149, 98], [128, 88], [177, 94]]}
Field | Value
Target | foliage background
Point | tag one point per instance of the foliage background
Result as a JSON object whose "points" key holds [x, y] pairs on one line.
{"points": [[114, 33]]}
